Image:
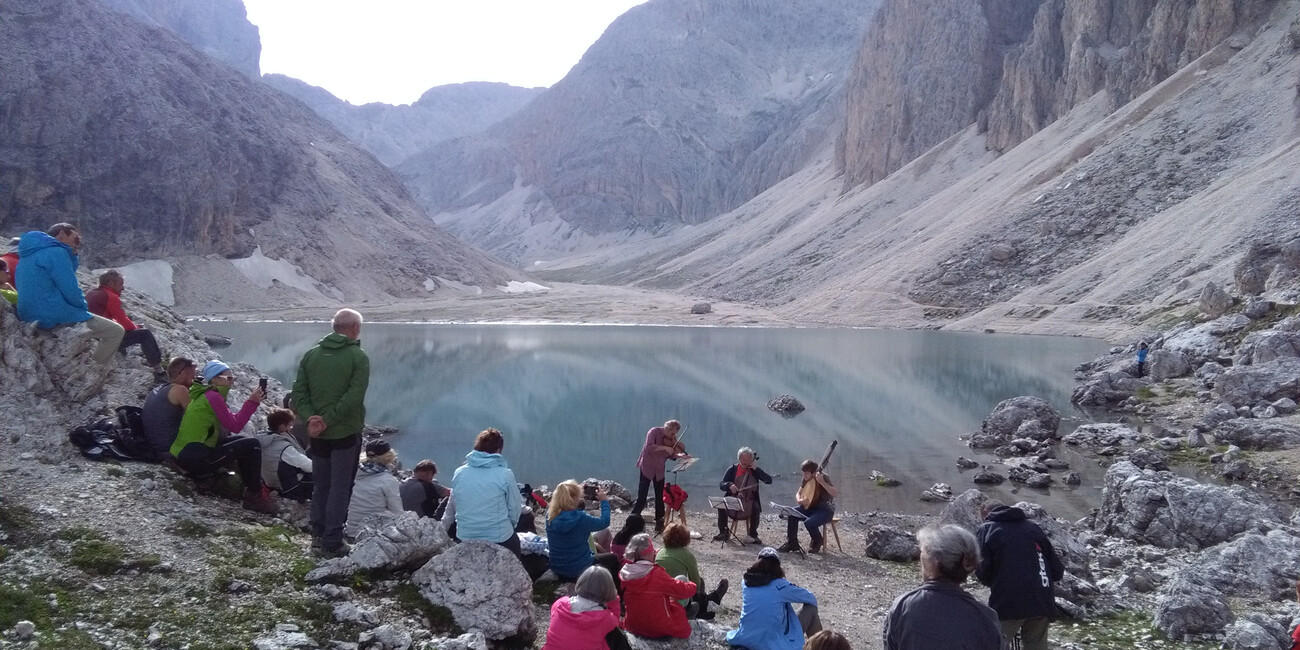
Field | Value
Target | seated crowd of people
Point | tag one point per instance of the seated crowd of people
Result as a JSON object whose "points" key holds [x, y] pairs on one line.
{"points": [[311, 451]]}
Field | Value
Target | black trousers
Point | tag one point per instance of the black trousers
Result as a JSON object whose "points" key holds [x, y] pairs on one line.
{"points": [[642, 488], [148, 344], [294, 483], [198, 458], [724, 524]]}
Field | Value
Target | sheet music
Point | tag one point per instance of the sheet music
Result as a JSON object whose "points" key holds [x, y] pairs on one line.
{"points": [[788, 510], [725, 503], [683, 464]]}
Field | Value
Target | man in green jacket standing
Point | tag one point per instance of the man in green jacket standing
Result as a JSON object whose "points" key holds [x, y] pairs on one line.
{"points": [[330, 392]]}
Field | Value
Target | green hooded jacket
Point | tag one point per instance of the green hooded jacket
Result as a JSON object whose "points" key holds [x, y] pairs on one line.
{"points": [[332, 381], [200, 422]]}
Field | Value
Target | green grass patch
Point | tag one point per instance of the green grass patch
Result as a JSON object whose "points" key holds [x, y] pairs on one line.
{"points": [[144, 474], [97, 556], [441, 622], [190, 528], [1145, 393], [544, 592], [183, 486], [78, 533], [14, 518], [274, 538], [1126, 629], [115, 472], [24, 605]]}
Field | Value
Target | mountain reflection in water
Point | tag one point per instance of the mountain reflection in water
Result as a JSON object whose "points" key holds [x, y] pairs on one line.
{"points": [[575, 401]]}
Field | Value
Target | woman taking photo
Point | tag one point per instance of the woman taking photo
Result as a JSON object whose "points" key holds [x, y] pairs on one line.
{"points": [[567, 529], [208, 435]]}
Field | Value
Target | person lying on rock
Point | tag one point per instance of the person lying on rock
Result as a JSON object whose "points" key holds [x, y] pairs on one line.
{"points": [[165, 406], [568, 527], [106, 300], [678, 560], [587, 620], [285, 465], [205, 440], [768, 620], [651, 596], [376, 492]]}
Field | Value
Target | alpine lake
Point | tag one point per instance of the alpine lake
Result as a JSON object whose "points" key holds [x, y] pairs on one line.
{"points": [[575, 401]]}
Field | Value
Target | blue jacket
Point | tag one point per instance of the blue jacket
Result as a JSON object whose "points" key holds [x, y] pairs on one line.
{"points": [[48, 293], [767, 618], [566, 535], [487, 498]]}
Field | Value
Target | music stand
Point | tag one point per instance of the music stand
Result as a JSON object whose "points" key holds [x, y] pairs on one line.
{"points": [[789, 511], [683, 464], [728, 504]]}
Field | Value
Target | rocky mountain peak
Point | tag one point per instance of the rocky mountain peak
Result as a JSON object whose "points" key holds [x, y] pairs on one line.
{"points": [[217, 28]]}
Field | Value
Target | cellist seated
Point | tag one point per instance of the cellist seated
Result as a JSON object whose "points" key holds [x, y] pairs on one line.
{"points": [[741, 481], [816, 498]]}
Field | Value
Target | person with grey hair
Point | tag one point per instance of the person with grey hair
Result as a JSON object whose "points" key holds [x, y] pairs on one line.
{"points": [[940, 613], [741, 481], [587, 620], [651, 595], [330, 393], [661, 445]]}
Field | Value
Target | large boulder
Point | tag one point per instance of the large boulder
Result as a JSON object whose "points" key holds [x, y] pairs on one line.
{"points": [[405, 542], [1188, 608], [1105, 435], [966, 510], [1214, 301], [1202, 342], [1106, 389], [1171, 512], [1261, 435], [1268, 381], [892, 544], [1248, 635], [485, 588], [1034, 415], [1168, 364]]}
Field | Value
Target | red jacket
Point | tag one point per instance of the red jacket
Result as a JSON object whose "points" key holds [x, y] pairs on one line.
{"points": [[103, 302], [651, 596]]}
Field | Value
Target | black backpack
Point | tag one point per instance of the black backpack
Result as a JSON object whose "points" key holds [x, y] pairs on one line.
{"points": [[130, 432]]}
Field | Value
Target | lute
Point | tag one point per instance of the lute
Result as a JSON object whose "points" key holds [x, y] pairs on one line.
{"points": [[808, 491]]}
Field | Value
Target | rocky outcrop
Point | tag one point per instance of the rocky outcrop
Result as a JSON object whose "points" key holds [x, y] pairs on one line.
{"points": [[1246, 385], [394, 133], [1027, 417], [1266, 266], [485, 588], [1261, 435], [928, 70], [217, 28], [1171, 512], [680, 111], [892, 544], [194, 159]]}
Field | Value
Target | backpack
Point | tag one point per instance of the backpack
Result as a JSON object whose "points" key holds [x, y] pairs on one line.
{"points": [[130, 432]]}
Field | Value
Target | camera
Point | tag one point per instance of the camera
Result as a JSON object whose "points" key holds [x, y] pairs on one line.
{"points": [[261, 383], [589, 491]]}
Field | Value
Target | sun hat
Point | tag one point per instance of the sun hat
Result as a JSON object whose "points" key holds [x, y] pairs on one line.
{"points": [[212, 369]]}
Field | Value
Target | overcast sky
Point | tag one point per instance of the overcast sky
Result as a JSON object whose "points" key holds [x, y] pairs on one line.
{"points": [[393, 50]]}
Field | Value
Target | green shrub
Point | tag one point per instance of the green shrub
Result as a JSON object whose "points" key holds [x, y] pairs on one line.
{"points": [[97, 556]]}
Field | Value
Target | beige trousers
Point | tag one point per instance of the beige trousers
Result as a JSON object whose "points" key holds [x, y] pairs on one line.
{"points": [[109, 334]]}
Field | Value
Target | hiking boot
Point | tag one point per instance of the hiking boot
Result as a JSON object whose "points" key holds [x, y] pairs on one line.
{"points": [[720, 537], [659, 526], [260, 501], [336, 551], [790, 547], [817, 547], [316, 544], [717, 594], [753, 539]]}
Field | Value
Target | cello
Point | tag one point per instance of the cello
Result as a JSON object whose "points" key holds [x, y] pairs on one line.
{"points": [[809, 490]]}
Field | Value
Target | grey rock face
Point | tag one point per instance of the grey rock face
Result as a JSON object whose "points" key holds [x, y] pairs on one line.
{"points": [[394, 133], [1265, 346], [1259, 268], [1167, 511], [1186, 608], [1029, 477], [385, 637], [1106, 389], [1104, 435], [467, 641], [892, 544], [484, 586], [217, 28], [244, 165], [1149, 459], [1038, 418], [1257, 309], [1245, 635], [407, 541], [1168, 364], [1257, 435], [701, 308], [988, 477], [1247, 385], [965, 510]]}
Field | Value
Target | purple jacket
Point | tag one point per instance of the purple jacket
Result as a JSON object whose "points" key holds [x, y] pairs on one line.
{"points": [[652, 461]]}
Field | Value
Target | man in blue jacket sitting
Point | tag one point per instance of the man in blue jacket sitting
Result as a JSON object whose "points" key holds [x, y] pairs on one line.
{"points": [[48, 293]]}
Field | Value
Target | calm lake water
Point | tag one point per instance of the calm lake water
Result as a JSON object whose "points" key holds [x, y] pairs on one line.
{"points": [[575, 401]]}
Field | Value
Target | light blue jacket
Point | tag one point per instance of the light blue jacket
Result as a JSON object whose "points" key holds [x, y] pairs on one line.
{"points": [[567, 534], [487, 498], [767, 619], [48, 293]]}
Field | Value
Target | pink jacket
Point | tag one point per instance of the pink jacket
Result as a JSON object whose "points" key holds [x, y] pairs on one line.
{"points": [[584, 631]]}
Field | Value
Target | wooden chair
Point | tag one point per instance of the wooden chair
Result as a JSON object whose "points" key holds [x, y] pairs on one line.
{"points": [[834, 531]]}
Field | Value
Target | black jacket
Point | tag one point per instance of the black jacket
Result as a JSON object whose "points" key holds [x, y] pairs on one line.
{"points": [[730, 477], [941, 615], [1018, 564]]}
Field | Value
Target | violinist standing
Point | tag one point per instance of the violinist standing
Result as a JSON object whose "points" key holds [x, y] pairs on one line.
{"points": [[661, 445], [741, 481]]}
